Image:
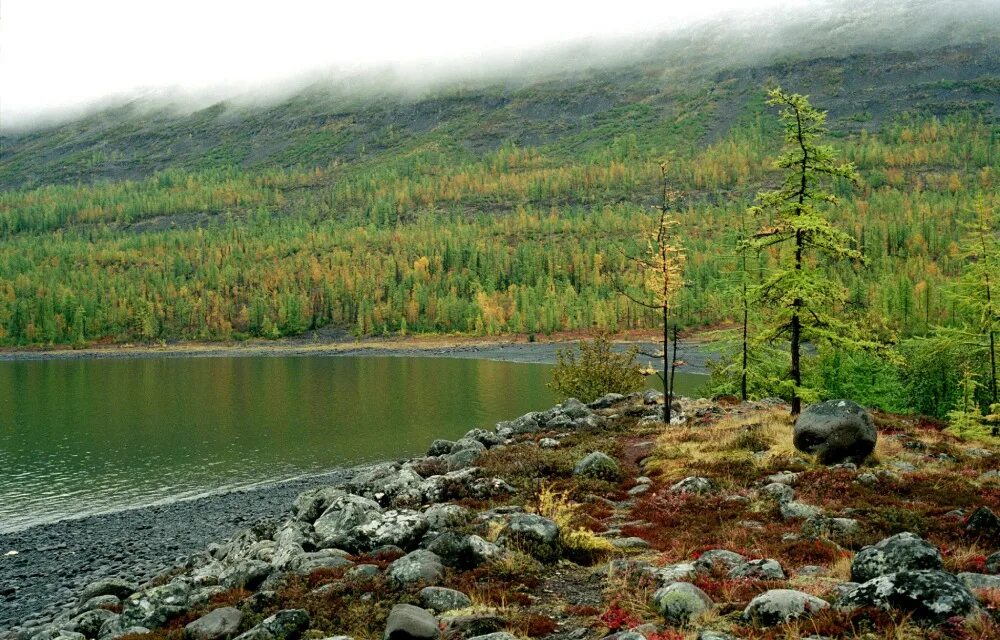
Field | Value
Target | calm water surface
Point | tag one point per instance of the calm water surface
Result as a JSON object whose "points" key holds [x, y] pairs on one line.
{"points": [[89, 436]]}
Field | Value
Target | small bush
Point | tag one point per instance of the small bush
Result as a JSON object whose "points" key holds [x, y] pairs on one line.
{"points": [[597, 370]]}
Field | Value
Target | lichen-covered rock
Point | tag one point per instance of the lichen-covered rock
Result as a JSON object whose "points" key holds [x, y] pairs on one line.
{"points": [[993, 563], [245, 574], [463, 458], [766, 569], [718, 559], [220, 624], [534, 535], [440, 447], [322, 559], [462, 551], [832, 528], [90, 622], [444, 516], [397, 527], [679, 602], [388, 484], [487, 438], [835, 431], [345, 513], [598, 465], [778, 606], [417, 566], [528, 423], [902, 552], [693, 484], [286, 624], [977, 581], [606, 401], [928, 595], [310, 504], [794, 510], [470, 626], [779, 491], [155, 607], [670, 574], [407, 622], [440, 599], [498, 635]]}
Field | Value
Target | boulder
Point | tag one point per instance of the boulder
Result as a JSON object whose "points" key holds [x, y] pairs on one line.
{"points": [[835, 431], [598, 465], [985, 525], [345, 513], [794, 510], [463, 458], [778, 606], [498, 635], [462, 551], [470, 626], [832, 528], [440, 447], [682, 572], [444, 516], [310, 504], [534, 535], [487, 438], [978, 581], [766, 569], [440, 599], [606, 401], [778, 491], [929, 595], [528, 423], [993, 563], [407, 622], [117, 587], [245, 574], [417, 566], [693, 484], [286, 624], [388, 484], [902, 552], [155, 607], [718, 560], [99, 602], [322, 559], [90, 622], [398, 527], [679, 602], [220, 624]]}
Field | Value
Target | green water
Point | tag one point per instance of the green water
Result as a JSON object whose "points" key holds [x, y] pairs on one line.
{"points": [[88, 436]]}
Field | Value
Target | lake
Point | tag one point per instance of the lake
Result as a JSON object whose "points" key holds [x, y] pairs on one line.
{"points": [[80, 437]]}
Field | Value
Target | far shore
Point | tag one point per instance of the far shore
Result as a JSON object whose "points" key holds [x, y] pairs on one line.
{"points": [[514, 348]]}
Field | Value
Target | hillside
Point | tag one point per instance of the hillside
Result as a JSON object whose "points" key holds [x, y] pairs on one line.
{"points": [[486, 209]]}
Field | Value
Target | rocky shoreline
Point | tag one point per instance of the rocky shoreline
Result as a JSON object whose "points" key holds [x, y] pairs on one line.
{"points": [[583, 521]]}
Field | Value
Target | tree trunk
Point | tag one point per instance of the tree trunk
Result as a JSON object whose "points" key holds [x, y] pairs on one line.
{"points": [[797, 336], [746, 320], [668, 391]]}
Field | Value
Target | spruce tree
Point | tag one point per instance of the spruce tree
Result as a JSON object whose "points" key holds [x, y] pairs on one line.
{"points": [[802, 298]]}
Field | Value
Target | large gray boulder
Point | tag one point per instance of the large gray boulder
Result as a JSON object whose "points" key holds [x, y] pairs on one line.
{"points": [[836, 431], [417, 566], [445, 516], [985, 525], [778, 606], [155, 607], [993, 563], [715, 560], [679, 602], [931, 596], [407, 622], [977, 581], [766, 569], [598, 465], [396, 527], [310, 504], [220, 624], [90, 622], [902, 552], [534, 535], [245, 574], [345, 513]]}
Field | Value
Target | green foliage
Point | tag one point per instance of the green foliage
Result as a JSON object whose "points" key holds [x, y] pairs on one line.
{"points": [[598, 370], [966, 421]]}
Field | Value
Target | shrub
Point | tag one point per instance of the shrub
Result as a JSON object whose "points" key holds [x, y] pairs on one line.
{"points": [[597, 370], [579, 543]]}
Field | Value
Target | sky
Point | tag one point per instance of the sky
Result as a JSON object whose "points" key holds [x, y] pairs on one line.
{"points": [[63, 55]]}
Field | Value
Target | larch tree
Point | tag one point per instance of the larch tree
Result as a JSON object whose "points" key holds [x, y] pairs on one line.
{"points": [[661, 265], [983, 272], [801, 297]]}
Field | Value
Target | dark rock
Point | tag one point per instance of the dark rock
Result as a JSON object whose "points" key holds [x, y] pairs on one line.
{"points": [[91, 622], [985, 525], [309, 505], [462, 551], [993, 563], [117, 587], [932, 596], [693, 484], [606, 401], [222, 623], [407, 622], [978, 581], [778, 606], [245, 574], [836, 431], [901, 552], [440, 447], [767, 569], [716, 559]]}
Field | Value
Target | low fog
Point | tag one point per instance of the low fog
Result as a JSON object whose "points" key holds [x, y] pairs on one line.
{"points": [[61, 60]]}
